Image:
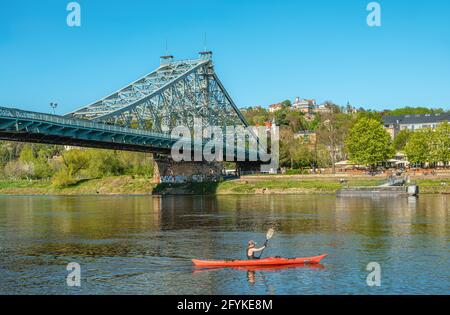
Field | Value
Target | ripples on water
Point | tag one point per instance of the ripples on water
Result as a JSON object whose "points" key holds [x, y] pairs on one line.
{"points": [[143, 245]]}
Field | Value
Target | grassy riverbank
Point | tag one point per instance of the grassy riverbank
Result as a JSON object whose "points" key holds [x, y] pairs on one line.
{"points": [[119, 185], [252, 185]]}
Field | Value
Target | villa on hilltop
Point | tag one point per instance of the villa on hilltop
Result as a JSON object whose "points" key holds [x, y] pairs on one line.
{"points": [[304, 105]]}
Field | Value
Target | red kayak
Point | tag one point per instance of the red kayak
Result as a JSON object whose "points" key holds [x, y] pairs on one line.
{"points": [[272, 261]]}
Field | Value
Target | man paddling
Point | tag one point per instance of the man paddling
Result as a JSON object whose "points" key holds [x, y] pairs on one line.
{"points": [[251, 250]]}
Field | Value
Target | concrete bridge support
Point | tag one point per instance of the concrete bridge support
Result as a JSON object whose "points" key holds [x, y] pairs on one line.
{"points": [[247, 168], [168, 171]]}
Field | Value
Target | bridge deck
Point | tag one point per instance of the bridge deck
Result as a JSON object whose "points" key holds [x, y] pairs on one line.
{"points": [[27, 126]]}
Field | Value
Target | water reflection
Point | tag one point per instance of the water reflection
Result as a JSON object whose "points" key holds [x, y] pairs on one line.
{"points": [[252, 272], [144, 244]]}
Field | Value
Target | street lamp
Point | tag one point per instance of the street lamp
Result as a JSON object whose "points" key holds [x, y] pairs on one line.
{"points": [[54, 105]]}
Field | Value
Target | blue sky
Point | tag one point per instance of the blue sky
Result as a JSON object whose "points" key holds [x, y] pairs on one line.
{"points": [[264, 51]]}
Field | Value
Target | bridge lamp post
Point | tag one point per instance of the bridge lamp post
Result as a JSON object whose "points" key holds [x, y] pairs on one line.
{"points": [[53, 106]]}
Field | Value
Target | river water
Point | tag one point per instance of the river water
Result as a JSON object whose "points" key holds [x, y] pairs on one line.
{"points": [[143, 244]]}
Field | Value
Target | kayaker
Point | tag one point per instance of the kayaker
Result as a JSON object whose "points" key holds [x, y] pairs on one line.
{"points": [[251, 250]]}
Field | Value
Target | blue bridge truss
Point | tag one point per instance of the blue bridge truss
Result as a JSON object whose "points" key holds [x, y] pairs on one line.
{"points": [[138, 117]]}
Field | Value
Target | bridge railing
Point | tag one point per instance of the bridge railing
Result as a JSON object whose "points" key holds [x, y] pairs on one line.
{"points": [[21, 114]]}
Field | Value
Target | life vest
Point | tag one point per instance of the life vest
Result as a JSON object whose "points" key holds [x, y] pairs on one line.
{"points": [[252, 256]]}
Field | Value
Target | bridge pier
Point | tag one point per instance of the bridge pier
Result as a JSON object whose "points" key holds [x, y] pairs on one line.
{"points": [[247, 168], [168, 171]]}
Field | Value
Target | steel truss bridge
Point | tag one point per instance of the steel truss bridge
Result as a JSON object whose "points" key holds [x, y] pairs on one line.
{"points": [[138, 117]]}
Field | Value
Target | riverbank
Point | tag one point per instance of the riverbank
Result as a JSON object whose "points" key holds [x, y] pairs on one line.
{"points": [[250, 185], [119, 185]]}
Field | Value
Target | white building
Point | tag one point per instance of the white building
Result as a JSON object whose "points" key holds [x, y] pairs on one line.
{"points": [[304, 105], [275, 107], [394, 124]]}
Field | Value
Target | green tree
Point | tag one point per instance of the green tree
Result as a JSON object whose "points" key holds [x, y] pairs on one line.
{"points": [[370, 114], [136, 163], [401, 139], [419, 146], [4, 155], [312, 125], [369, 143], [322, 156], [296, 121], [302, 155], [441, 143], [332, 132], [42, 169], [104, 163], [287, 143], [44, 151], [255, 115], [27, 154], [286, 103], [412, 111], [38, 156], [281, 117], [76, 160], [63, 178]]}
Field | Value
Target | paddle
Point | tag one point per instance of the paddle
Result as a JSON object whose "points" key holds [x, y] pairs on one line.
{"points": [[269, 235]]}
